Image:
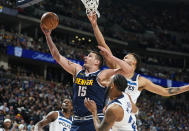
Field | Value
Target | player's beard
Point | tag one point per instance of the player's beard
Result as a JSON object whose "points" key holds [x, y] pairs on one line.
{"points": [[66, 110]]}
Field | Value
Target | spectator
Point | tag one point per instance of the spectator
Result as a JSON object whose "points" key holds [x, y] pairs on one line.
{"points": [[4, 108], [6, 125]]}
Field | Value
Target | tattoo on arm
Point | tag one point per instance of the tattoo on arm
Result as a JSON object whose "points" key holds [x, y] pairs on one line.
{"points": [[108, 121], [105, 126], [173, 90], [70, 63]]}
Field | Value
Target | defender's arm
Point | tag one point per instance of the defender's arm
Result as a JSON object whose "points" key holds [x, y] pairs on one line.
{"points": [[148, 85], [52, 116], [100, 39]]}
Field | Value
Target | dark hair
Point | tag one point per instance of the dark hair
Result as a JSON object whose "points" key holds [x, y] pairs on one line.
{"points": [[137, 58], [120, 82], [98, 57]]}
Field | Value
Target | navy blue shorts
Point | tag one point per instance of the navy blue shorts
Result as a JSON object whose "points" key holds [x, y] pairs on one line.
{"points": [[83, 125]]}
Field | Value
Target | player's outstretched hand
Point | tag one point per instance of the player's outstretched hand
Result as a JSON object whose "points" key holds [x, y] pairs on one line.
{"points": [[105, 53], [92, 18], [90, 105], [45, 31]]}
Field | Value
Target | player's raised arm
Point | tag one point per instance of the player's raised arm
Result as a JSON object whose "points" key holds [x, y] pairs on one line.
{"points": [[124, 66], [100, 38], [52, 116], [148, 85], [69, 66], [97, 32]]}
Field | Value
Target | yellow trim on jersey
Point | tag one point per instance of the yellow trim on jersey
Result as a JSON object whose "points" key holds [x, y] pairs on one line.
{"points": [[80, 81]]}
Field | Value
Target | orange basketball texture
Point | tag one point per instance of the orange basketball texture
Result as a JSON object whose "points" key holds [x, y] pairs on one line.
{"points": [[49, 20]]}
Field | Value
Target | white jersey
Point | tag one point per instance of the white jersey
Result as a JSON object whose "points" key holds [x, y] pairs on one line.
{"points": [[61, 123], [127, 123], [132, 88]]}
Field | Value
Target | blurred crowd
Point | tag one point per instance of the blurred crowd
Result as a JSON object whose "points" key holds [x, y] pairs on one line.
{"points": [[163, 67], [8, 3], [162, 113], [143, 23], [69, 49]]}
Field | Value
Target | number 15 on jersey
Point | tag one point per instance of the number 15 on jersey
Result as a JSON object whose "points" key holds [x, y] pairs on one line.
{"points": [[82, 91]]}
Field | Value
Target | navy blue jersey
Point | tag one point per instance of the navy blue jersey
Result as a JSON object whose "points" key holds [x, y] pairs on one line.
{"points": [[87, 86]]}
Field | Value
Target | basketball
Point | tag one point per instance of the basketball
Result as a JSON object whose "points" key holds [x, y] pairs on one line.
{"points": [[49, 20]]}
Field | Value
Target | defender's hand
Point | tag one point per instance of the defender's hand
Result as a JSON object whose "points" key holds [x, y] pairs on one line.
{"points": [[104, 52], [92, 18], [90, 105]]}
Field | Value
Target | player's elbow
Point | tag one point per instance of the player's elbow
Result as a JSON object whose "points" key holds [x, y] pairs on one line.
{"points": [[165, 93], [37, 127], [162, 92], [40, 125]]}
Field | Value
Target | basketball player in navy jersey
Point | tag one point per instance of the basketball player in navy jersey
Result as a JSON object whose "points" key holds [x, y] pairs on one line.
{"points": [[58, 120], [136, 83], [89, 81]]}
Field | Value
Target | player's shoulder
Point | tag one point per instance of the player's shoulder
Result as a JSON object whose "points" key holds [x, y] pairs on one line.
{"points": [[53, 114], [115, 112], [116, 105], [141, 78], [143, 81]]}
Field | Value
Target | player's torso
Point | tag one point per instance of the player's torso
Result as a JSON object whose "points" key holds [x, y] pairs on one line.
{"points": [[132, 88], [87, 86], [127, 123], [61, 123]]}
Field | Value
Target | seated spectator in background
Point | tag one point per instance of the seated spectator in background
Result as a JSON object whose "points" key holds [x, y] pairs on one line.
{"points": [[4, 107], [22, 127], [30, 126], [6, 125]]}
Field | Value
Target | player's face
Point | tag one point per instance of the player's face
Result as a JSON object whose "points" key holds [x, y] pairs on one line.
{"points": [[130, 59], [67, 104], [90, 60]]}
